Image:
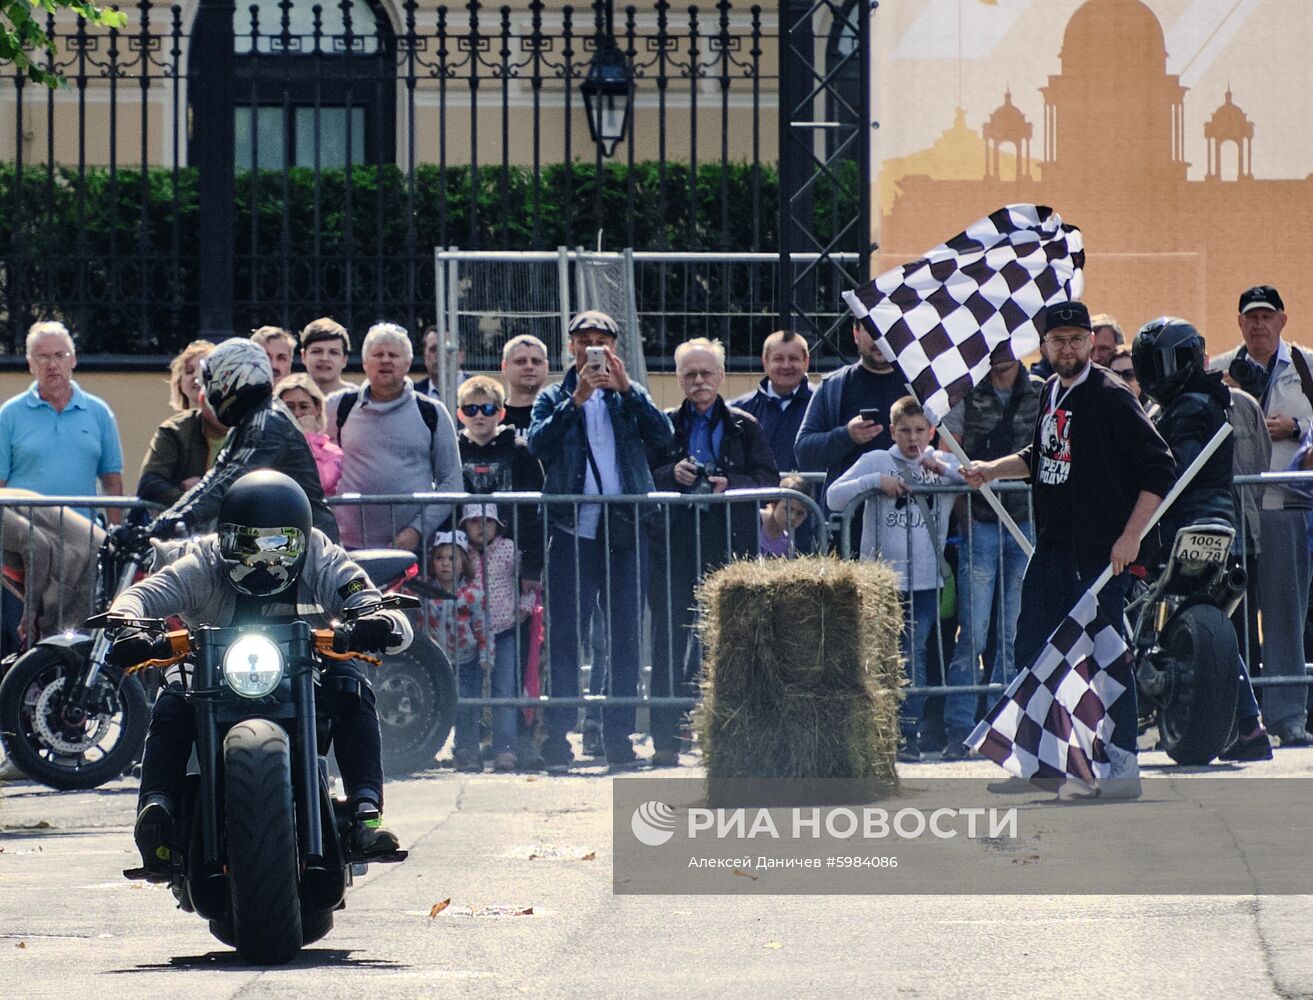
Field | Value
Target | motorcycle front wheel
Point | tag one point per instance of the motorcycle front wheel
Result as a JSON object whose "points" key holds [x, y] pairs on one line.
{"points": [[416, 695], [260, 835], [1195, 722], [61, 747]]}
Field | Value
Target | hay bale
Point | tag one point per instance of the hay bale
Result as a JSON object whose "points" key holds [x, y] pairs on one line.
{"points": [[802, 672]]}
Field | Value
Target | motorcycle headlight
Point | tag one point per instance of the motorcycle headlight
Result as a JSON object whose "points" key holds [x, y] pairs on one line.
{"points": [[253, 666]]}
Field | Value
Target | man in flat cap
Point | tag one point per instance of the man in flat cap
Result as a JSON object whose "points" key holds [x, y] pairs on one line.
{"points": [[592, 432]]}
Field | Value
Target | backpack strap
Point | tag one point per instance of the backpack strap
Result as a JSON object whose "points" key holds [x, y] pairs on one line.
{"points": [[1305, 376], [428, 410], [344, 407]]}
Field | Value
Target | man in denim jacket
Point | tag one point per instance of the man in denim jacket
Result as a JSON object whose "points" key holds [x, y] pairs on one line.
{"points": [[592, 433]]}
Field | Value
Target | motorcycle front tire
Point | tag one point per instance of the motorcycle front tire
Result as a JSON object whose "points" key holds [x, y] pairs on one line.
{"points": [[261, 844], [38, 668], [1195, 725]]}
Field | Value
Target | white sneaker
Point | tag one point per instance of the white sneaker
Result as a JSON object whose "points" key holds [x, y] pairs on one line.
{"points": [[1123, 781]]}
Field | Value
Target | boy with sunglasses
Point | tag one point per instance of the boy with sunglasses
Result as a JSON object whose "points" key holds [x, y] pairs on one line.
{"points": [[493, 461]]}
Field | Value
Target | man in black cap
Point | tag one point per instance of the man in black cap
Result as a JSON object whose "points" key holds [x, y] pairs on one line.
{"points": [[1098, 471], [1277, 374]]}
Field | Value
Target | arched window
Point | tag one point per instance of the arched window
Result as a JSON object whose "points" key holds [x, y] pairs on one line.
{"points": [[315, 84]]}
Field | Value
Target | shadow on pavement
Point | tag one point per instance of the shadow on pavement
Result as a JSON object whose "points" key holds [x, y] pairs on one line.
{"points": [[225, 960]]}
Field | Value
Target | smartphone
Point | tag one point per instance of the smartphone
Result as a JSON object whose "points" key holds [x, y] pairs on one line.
{"points": [[595, 357], [872, 413]]}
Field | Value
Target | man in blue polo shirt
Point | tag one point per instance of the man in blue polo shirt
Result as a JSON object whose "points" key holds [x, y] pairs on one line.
{"points": [[56, 439]]}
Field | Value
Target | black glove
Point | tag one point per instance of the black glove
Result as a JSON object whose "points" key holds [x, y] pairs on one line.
{"points": [[128, 538], [167, 527], [129, 650], [372, 633]]}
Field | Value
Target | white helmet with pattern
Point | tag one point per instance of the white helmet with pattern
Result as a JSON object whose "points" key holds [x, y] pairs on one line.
{"points": [[237, 379]]}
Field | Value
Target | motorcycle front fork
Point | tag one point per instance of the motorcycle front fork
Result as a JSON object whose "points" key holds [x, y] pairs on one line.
{"points": [[82, 681]]}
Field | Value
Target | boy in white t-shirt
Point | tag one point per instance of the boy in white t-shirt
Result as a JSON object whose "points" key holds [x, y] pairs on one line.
{"points": [[895, 529]]}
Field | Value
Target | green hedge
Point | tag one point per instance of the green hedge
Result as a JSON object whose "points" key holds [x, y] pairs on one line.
{"points": [[100, 249]]}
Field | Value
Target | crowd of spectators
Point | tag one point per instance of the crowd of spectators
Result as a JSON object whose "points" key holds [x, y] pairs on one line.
{"points": [[593, 571]]}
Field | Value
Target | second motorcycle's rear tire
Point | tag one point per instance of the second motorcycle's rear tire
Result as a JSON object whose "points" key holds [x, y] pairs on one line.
{"points": [[1195, 725], [260, 827]]}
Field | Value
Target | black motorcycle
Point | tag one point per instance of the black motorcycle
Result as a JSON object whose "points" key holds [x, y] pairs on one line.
{"points": [[69, 719], [263, 841], [1186, 655]]}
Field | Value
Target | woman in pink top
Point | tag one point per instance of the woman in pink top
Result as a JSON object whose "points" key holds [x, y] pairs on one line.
{"points": [[305, 400]]}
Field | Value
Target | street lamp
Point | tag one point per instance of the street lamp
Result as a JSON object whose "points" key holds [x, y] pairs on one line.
{"points": [[606, 88]]}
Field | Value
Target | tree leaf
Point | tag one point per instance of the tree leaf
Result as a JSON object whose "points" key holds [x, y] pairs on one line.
{"points": [[439, 907]]}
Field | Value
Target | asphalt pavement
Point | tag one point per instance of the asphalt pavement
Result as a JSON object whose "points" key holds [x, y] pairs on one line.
{"points": [[523, 865]]}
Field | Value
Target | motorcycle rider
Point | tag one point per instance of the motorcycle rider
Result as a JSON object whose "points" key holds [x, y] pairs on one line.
{"points": [[239, 387], [1168, 355], [264, 564]]}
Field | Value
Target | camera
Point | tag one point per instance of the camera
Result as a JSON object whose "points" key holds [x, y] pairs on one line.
{"points": [[1249, 376], [702, 473]]}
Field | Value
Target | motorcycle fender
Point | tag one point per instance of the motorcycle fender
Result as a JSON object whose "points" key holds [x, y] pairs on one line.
{"points": [[323, 887], [73, 647]]}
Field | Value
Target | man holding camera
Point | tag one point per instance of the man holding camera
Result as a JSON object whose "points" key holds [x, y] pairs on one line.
{"points": [[1277, 374], [716, 447], [593, 432]]}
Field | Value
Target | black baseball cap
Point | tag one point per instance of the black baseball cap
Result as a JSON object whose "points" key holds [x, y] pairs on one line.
{"points": [[1066, 314], [1261, 297]]}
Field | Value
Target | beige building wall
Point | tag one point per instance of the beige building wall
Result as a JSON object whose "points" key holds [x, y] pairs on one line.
{"points": [[40, 107]]}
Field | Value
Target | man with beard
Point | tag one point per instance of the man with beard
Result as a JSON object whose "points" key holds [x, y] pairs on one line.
{"points": [[834, 434], [1098, 471]]}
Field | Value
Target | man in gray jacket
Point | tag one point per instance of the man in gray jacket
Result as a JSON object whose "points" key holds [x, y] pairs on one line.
{"points": [[1276, 373], [393, 441], [265, 564]]}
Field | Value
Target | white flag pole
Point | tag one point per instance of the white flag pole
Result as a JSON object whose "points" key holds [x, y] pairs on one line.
{"points": [[1003, 516], [1186, 477]]}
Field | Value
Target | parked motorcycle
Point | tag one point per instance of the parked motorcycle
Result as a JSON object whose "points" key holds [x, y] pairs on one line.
{"points": [[1186, 655], [69, 719], [264, 854]]}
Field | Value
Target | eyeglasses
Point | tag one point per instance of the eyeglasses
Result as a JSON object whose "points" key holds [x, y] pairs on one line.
{"points": [[1061, 343], [45, 359], [697, 375], [475, 409]]}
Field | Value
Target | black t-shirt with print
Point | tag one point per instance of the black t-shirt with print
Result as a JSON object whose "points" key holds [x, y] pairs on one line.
{"points": [[1052, 479]]}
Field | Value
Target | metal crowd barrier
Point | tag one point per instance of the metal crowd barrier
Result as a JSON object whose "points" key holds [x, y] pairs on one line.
{"points": [[629, 522], [1245, 486], [50, 551]]}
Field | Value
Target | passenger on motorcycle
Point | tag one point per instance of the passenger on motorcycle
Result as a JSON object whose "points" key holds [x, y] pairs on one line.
{"points": [[238, 385], [1168, 354], [265, 564]]}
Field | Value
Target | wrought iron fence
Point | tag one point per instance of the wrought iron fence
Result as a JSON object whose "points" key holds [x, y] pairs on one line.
{"points": [[282, 161]]}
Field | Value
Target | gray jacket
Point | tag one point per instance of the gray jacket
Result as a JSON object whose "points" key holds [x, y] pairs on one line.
{"points": [[1285, 398], [194, 586]]}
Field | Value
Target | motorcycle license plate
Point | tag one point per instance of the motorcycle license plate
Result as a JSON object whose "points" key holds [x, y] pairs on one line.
{"points": [[1202, 547]]}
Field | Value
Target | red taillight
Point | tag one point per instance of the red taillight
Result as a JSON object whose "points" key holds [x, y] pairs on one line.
{"points": [[412, 571]]}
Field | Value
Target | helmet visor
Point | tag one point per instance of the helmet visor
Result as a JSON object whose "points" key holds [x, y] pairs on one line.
{"points": [[261, 560]]}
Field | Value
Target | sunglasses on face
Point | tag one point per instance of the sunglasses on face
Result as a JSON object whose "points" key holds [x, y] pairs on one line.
{"points": [[475, 409]]}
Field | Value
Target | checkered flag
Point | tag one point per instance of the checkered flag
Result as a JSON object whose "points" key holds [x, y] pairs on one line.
{"points": [[1052, 723], [940, 318]]}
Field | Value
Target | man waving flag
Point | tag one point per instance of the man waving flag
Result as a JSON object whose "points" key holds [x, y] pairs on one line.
{"points": [[940, 318]]}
